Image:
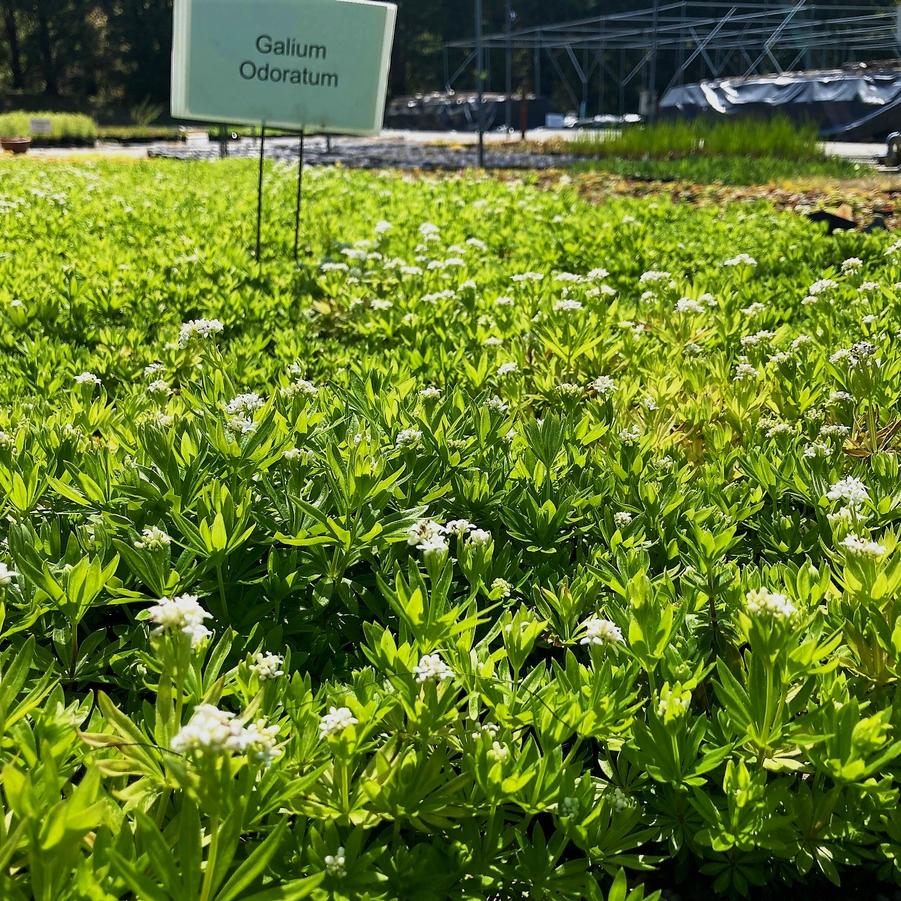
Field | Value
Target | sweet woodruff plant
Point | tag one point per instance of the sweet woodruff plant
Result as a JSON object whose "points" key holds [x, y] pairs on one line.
{"points": [[505, 546]]}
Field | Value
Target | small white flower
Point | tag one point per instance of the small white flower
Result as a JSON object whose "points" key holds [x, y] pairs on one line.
{"points": [[335, 864], [761, 337], [180, 614], [568, 306], [432, 668], [603, 386], [87, 378], [408, 438], [300, 386], [862, 547], [159, 387], [153, 369], [601, 631], [427, 536], [851, 490], [430, 393], [622, 518], [212, 731], [7, 575], [852, 264], [823, 286], [689, 305], [336, 720], [497, 405], [244, 404], [763, 603], [745, 372], [507, 369], [618, 799], [741, 259], [267, 665], [654, 277], [503, 587], [240, 425], [479, 537], [199, 328], [458, 526], [153, 539], [528, 277], [379, 304]]}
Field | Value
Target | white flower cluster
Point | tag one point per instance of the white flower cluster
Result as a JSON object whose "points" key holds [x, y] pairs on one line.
{"points": [[87, 378], [199, 328], [745, 372], [153, 539], [619, 800], [7, 575], [244, 404], [655, 277], [862, 547], [741, 259], [159, 388], [689, 305], [622, 518], [408, 438], [336, 720], [212, 731], [568, 305], [507, 369], [821, 287], [601, 631], [336, 864], [431, 668], [527, 277], [427, 536], [603, 386], [267, 665], [180, 614], [763, 603], [851, 490]]}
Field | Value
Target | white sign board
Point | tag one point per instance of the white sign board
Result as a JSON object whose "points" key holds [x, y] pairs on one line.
{"points": [[40, 126], [319, 65]]}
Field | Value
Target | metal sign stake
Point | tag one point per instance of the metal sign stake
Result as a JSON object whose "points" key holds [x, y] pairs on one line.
{"points": [[299, 195], [260, 188]]}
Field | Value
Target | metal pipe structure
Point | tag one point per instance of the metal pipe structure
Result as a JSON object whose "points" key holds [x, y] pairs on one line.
{"points": [[699, 40], [480, 82]]}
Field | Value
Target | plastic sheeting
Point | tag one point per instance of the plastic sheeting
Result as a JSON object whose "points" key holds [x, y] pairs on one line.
{"points": [[857, 105], [460, 112]]}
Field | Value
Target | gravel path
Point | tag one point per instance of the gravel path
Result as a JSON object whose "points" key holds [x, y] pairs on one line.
{"points": [[367, 154]]}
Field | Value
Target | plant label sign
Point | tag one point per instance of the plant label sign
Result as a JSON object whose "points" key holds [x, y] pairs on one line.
{"points": [[319, 65], [40, 126]]}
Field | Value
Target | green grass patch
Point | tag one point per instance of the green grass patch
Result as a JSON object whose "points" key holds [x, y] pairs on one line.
{"points": [[776, 138], [64, 126], [727, 170]]}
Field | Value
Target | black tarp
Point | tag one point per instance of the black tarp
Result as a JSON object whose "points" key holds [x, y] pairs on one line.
{"points": [[858, 105]]}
